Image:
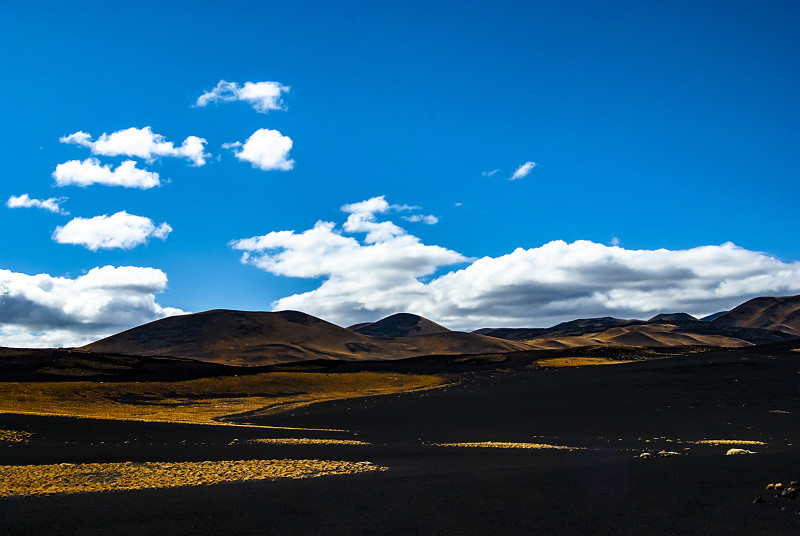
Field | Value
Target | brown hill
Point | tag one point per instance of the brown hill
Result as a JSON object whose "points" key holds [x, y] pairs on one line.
{"points": [[257, 338], [777, 314], [400, 325], [652, 335], [672, 317], [572, 327]]}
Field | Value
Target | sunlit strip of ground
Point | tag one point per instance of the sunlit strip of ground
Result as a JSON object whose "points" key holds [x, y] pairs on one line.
{"points": [[201, 401], [577, 361], [717, 442], [506, 445], [307, 441], [21, 480]]}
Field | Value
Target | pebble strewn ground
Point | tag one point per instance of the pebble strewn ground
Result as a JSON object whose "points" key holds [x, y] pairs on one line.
{"points": [[25, 480]]}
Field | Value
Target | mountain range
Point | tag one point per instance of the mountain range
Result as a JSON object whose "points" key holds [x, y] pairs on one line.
{"points": [[265, 338]]}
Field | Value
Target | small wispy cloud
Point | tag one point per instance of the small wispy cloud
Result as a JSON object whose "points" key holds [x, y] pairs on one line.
{"points": [[51, 204], [262, 96], [615, 241], [118, 231], [429, 219], [489, 173], [266, 149], [91, 171], [140, 143], [523, 171]]}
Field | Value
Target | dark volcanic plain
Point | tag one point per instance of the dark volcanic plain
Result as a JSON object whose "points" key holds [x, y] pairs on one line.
{"points": [[612, 414]]}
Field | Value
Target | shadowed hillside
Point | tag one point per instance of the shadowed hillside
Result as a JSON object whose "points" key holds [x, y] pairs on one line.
{"points": [[400, 325], [777, 314], [257, 338]]}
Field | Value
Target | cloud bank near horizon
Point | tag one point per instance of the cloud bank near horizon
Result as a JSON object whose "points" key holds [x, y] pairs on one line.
{"points": [[383, 270], [46, 311]]}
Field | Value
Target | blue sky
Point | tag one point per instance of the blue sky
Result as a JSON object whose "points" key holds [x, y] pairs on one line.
{"points": [[660, 133]]}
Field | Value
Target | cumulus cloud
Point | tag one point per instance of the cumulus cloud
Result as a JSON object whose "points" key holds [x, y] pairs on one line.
{"points": [[90, 171], [523, 171], [263, 96], [46, 311], [52, 204], [120, 230], [361, 276], [266, 149], [141, 143], [389, 271]]}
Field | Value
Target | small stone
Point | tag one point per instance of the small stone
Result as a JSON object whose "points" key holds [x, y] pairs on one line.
{"points": [[732, 452], [758, 500]]}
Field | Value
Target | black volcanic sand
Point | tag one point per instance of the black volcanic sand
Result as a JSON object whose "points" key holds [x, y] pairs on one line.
{"points": [[612, 411]]}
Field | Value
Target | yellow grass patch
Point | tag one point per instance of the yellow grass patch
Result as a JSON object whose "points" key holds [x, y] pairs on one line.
{"points": [[726, 442], [577, 361], [780, 411], [307, 441], [201, 401], [504, 445], [14, 436], [16, 480]]}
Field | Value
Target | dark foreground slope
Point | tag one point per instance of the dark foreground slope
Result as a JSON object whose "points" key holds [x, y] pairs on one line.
{"points": [[258, 338], [615, 413]]}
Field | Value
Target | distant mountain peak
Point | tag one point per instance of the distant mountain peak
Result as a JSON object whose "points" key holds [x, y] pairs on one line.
{"points": [[401, 325], [672, 317]]}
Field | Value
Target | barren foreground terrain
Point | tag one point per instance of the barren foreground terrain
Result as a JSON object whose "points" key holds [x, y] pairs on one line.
{"points": [[497, 445]]}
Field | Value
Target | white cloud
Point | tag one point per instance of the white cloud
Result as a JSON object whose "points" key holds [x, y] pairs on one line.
{"points": [[388, 271], [361, 277], [489, 173], [90, 171], [263, 96], [615, 241], [141, 143], [266, 149], [46, 311], [53, 204], [523, 171], [429, 219], [120, 230]]}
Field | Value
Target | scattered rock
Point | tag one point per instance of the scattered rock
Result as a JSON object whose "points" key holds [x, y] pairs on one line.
{"points": [[732, 452], [758, 500]]}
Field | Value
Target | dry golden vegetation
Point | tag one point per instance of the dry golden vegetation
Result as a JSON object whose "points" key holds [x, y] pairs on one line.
{"points": [[717, 442], [307, 441], [16, 480], [577, 361], [504, 445], [201, 401], [14, 436]]}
